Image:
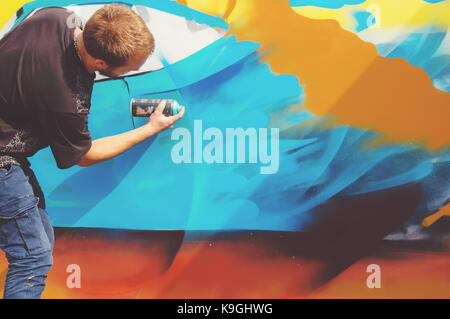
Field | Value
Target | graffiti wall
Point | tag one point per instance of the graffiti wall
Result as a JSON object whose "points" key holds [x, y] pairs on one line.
{"points": [[313, 160]]}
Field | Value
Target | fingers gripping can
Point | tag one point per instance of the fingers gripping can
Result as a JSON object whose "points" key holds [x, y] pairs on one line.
{"points": [[145, 107]]}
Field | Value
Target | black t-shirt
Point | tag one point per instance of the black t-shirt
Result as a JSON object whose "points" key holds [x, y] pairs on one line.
{"points": [[45, 91]]}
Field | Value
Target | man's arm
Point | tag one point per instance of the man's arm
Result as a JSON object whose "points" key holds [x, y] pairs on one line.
{"points": [[106, 148]]}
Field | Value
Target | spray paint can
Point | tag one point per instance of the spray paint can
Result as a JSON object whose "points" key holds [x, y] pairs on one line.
{"points": [[145, 107]]}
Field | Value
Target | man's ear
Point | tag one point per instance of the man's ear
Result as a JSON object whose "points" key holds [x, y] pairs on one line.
{"points": [[100, 64]]}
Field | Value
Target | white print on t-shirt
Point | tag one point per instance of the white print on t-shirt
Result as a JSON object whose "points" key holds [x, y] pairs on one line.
{"points": [[82, 97]]}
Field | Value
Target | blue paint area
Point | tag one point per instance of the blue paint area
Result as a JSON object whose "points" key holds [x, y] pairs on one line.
{"points": [[331, 4], [434, 1], [144, 189], [226, 86], [364, 20]]}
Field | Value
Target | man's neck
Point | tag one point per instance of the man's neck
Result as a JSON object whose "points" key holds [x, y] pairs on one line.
{"points": [[85, 58]]}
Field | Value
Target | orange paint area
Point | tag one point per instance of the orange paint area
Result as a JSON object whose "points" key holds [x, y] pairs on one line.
{"points": [[345, 77], [430, 220]]}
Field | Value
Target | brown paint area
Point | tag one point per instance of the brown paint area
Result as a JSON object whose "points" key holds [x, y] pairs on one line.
{"points": [[254, 263], [344, 77]]}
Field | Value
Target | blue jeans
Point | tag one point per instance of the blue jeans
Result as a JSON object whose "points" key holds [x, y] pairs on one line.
{"points": [[26, 233]]}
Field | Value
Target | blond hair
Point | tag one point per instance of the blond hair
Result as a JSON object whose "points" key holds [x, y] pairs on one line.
{"points": [[115, 33]]}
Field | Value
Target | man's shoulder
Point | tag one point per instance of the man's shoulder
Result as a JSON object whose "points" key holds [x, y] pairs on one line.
{"points": [[50, 18], [52, 13]]}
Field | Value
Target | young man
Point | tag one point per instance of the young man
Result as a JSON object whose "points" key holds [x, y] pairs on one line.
{"points": [[47, 75]]}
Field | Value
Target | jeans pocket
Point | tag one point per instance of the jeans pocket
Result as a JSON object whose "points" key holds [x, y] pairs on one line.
{"points": [[5, 171], [22, 232]]}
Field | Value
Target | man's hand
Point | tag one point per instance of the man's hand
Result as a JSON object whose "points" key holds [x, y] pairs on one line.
{"points": [[108, 147], [160, 122]]}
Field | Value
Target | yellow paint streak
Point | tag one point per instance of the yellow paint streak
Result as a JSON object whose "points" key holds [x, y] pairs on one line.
{"points": [[9, 8], [398, 13], [213, 7]]}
